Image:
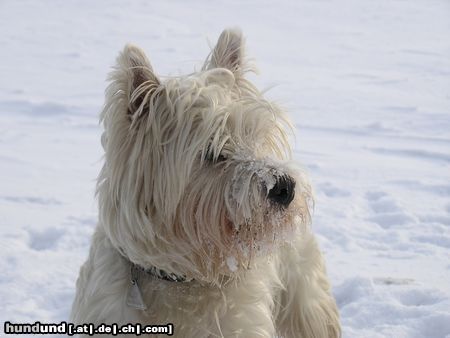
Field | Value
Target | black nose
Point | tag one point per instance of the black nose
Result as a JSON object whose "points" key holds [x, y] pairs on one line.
{"points": [[283, 191]]}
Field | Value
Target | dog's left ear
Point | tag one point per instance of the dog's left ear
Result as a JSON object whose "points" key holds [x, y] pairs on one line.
{"points": [[228, 52]]}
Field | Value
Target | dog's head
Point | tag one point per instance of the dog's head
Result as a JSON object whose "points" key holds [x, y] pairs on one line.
{"points": [[196, 179]]}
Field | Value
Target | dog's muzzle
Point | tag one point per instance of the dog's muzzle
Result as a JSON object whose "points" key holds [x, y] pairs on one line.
{"points": [[283, 192]]}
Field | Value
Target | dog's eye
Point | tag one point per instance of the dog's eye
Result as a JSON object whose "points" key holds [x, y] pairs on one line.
{"points": [[210, 158], [221, 158]]}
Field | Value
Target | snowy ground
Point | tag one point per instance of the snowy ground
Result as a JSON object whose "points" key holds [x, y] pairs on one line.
{"points": [[367, 84]]}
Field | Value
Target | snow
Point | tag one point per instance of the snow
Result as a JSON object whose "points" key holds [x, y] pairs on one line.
{"points": [[366, 82]]}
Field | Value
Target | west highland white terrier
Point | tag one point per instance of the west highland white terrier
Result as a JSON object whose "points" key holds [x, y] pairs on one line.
{"points": [[203, 219]]}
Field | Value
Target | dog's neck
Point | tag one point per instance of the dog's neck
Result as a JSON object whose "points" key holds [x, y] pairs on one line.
{"points": [[137, 272]]}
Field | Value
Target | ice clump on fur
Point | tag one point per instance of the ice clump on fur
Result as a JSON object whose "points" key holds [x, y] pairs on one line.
{"points": [[232, 263]]}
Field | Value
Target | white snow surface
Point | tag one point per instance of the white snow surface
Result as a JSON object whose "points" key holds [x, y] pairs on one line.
{"points": [[367, 84]]}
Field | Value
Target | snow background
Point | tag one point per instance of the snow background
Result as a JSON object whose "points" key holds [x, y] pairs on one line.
{"points": [[366, 82]]}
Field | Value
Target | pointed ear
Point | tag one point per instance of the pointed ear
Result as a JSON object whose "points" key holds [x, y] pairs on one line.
{"points": [[228, 52], [139, 80]]}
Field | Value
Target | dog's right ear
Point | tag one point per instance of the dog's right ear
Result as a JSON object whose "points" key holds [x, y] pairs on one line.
{"points": [[228, 52], [140, 81]]}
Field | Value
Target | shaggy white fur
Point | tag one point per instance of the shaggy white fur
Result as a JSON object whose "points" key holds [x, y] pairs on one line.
{"points": [[197, 183]]}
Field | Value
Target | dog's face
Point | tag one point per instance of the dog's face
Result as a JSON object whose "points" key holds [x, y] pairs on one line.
{"points": [[195, 179]]}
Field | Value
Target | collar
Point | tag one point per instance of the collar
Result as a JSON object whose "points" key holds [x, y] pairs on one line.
{"points": [[137, 271]]}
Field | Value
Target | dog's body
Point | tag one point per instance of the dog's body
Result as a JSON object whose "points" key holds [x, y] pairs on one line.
{"points": [[203, 223]]}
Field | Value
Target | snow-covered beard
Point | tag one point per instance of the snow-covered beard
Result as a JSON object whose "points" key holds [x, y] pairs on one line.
{"points": [[227, 212]]}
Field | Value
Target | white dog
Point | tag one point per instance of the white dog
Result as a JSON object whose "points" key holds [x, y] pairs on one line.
{"points": [[203, 221]]}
